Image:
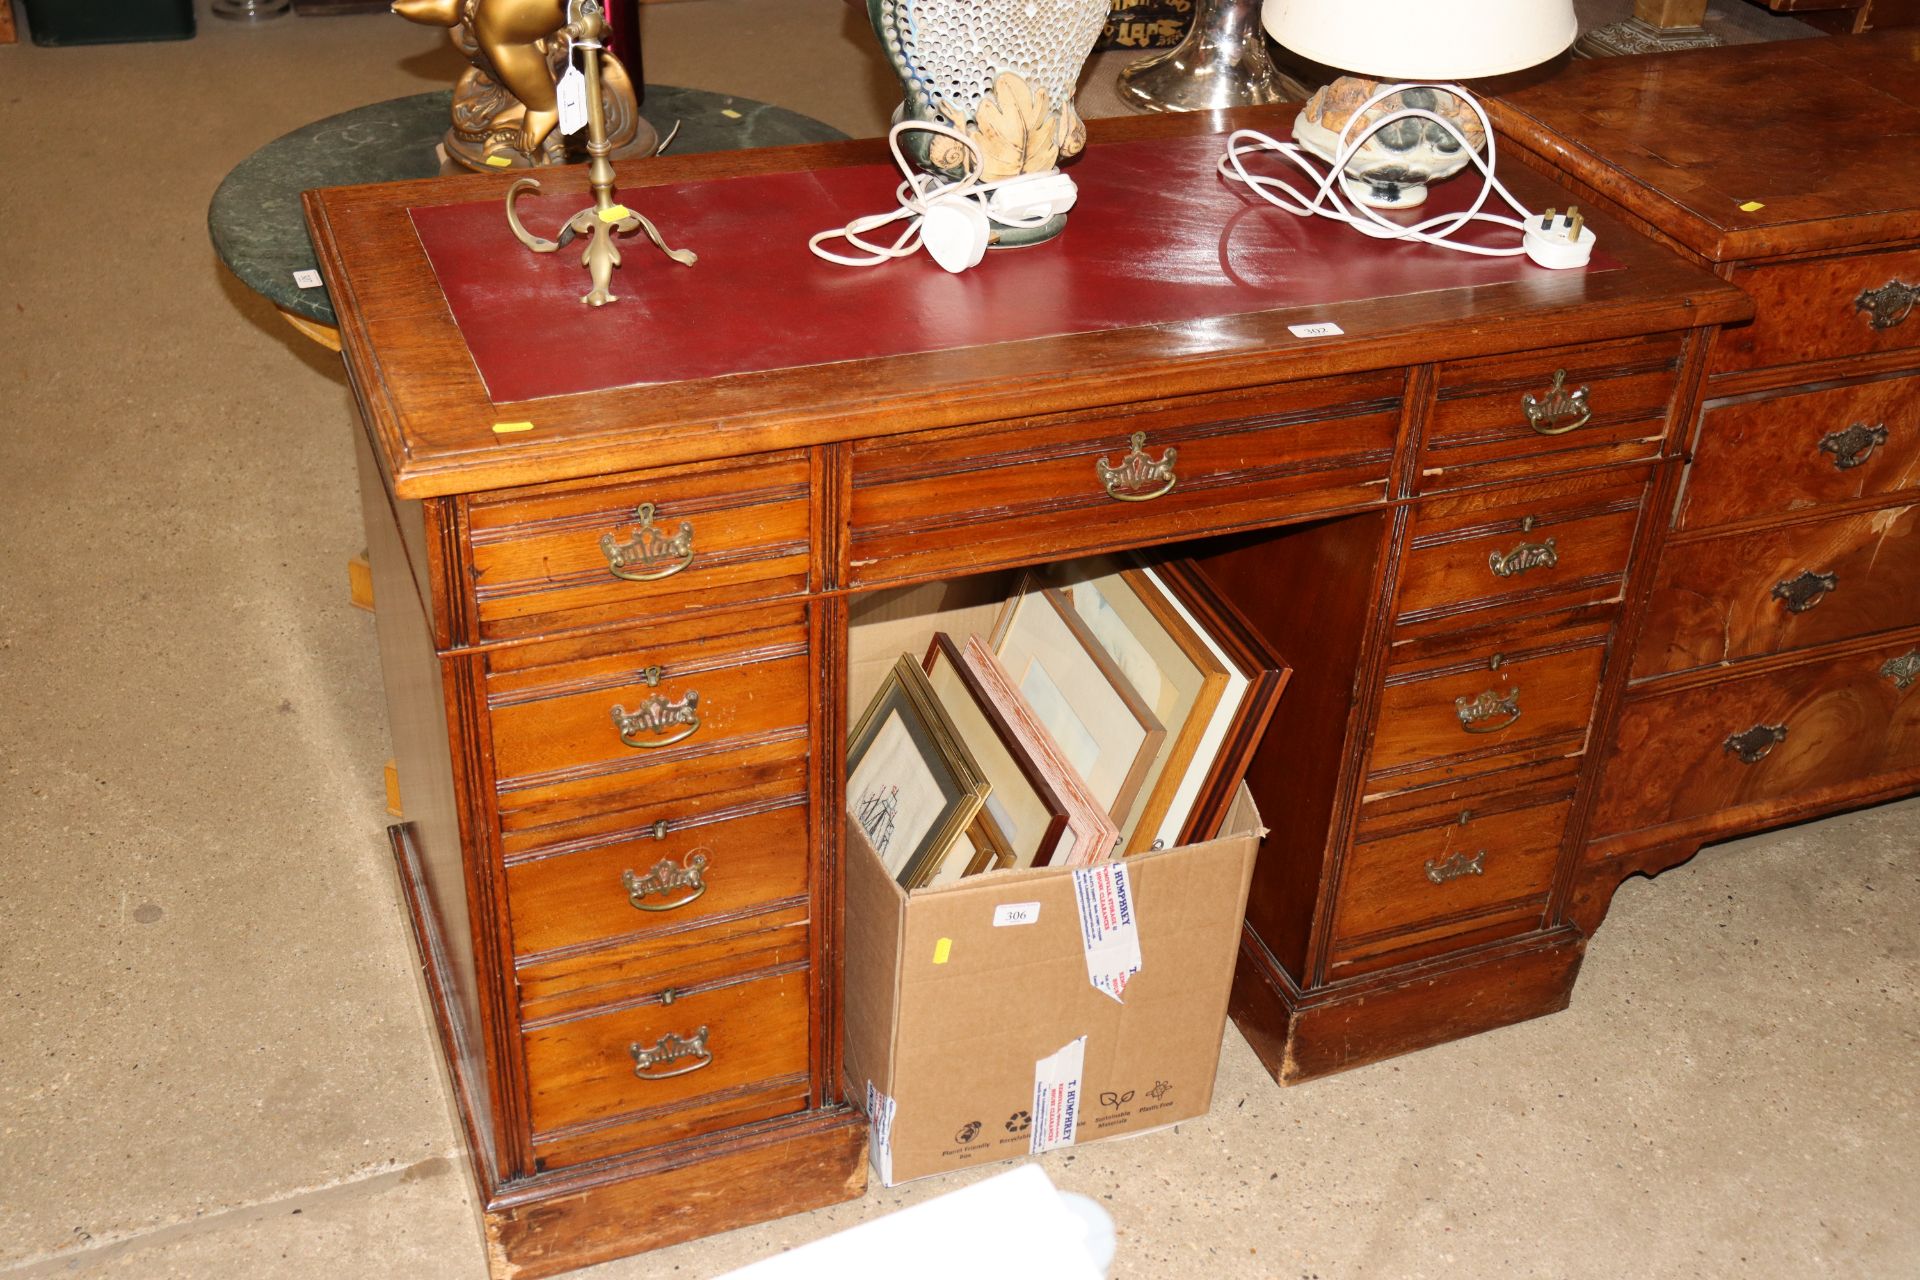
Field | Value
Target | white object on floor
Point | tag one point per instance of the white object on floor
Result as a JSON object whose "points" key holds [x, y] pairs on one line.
{"points": [[1017, 1226]]}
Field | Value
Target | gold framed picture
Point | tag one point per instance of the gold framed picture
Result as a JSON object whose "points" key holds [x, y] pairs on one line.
{"points": [[911, 784], [1168, 663], [1098, 721]]}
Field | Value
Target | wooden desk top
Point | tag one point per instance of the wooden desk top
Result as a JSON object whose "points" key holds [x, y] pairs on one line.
{"points": [[1741, 153], [432, 416]]}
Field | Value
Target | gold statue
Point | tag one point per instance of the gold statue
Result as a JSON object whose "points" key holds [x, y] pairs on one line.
{"points": [[505, 107]]}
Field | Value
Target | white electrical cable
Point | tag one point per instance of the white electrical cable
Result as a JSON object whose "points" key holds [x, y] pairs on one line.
{"points": [[949, 207], [1326, 201]]}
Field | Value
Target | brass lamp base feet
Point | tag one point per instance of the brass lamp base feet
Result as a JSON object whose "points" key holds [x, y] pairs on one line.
{"points": [[1636, 35]]}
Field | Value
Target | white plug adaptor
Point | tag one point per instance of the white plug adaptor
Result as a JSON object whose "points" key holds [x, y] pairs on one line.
{"points": [[1562, 244], [955, 233], [1033, 198]]}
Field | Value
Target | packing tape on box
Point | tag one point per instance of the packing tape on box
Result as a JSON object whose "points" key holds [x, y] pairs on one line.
{"points": [[1056, 1097], [880, 1133], [1104, 893]]}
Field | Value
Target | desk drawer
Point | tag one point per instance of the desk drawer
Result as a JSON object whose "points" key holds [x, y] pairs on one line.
{"points": [[1489, 703], [1823, 309], [963, 500], [1832, 722], [1786, 453], [564, 556], [728, 1046], [1742, 595], [1497, 553], [657, 713], [645, 890], [1485, 874], [1506, 417]]}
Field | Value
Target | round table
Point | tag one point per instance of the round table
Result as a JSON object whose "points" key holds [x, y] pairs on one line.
{"points": [[260, 232]]}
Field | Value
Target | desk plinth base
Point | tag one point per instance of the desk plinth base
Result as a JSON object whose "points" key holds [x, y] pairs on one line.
{"points": [[554, 1222], [1302, 1035], [808, 1162]]}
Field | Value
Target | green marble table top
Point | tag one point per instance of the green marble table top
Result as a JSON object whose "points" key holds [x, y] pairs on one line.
{"points": [[260, 233]]}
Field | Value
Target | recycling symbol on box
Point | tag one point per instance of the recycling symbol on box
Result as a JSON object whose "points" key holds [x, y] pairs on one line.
{"points": [[1019, 1122]]}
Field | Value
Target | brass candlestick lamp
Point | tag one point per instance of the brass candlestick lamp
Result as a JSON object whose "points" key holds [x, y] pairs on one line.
{"points": [[603, 219]]}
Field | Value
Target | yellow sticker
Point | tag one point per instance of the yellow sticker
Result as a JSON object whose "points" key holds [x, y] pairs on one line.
{"points": [[508, 428], [500, 162], [730, 113], [614, 212], [1752, 206], [942, 949]]}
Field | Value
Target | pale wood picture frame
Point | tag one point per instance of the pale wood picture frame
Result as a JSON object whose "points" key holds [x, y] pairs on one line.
{"points": [[1024, 813], [1176, 672], [1098, 722], [911, 784], [1091, 835]]}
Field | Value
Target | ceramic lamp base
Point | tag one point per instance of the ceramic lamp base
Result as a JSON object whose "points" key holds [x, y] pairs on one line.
{"points": [[1022, 237], [1385, 195]]}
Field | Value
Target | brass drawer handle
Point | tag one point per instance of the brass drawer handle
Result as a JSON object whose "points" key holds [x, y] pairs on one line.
{"points": [[1888, 305], [1491, 707], [1801, 593], [1528, 555], [1560, 410], [666, 876], [656, 716], [1903, 670], [1756, 743], [1456, 866], [1137, 471], [650, 554], [1853, 446], [670, 1048]]}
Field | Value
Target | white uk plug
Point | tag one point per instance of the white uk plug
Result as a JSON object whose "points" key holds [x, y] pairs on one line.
{"points": [[1559, 241], [955, 232]]}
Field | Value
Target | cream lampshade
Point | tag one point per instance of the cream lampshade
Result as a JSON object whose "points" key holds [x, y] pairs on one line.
{"points": [[1423, 39]]}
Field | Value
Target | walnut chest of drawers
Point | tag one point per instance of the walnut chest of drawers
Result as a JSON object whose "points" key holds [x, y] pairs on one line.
{"points": [[616, 651], [1775, 668]]}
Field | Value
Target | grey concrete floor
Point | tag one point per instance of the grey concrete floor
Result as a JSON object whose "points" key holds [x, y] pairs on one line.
{"points": [[212, 1057]]}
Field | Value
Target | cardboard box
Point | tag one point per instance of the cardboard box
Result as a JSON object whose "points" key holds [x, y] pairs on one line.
{"points": [[984, 1021]]}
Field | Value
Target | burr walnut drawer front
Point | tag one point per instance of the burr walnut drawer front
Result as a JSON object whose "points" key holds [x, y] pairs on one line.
{"points": [[1483, 875], [1505, 417], [1741, 595], [1779, 454], [1466, 711], [676, 882], [1830, 725], [572, 555], [1823, 309], [656, 713], [960, 500], [1496, 553], [714, 1050]]}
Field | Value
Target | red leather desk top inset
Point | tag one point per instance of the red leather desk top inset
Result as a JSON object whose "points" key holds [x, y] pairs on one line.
{"points": [[1157, 237]]}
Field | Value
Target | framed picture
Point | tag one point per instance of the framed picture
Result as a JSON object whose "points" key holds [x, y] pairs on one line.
{"points": [[1090, 835], [1175, 671], [1100, 723], [1258, 675], [1024, 817], [911, 785]]}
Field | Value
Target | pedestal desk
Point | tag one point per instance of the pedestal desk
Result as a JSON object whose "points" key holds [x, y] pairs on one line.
{"points": [[1775, 668], [615, 630]]}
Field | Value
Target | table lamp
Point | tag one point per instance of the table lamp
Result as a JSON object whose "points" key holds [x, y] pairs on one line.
{"points": [[1410, 40], [1386, 142]]}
